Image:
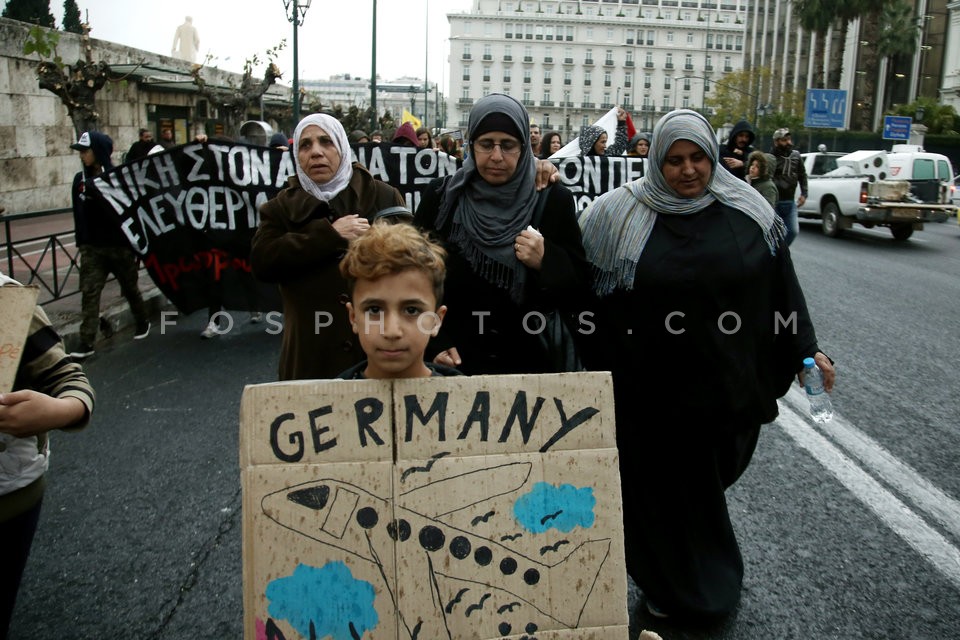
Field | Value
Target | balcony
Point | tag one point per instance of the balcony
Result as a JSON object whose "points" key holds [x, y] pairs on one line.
{"points": [[607, 105], [548, 60], [487, 56], [607, 83], [608, 62], [648, 64], [465, 101], [528, 58], [708, 67], [629, 40], [587, 83], [508, 58], [507, 79], [588, 105], [567, 81], [628, 63], [547, 80], [568, 61], [566, 103], [588, 61], [466, 56], [668, 65], [728, 69], [688, 67], [527, 103], [627, 85], [546, 103]]}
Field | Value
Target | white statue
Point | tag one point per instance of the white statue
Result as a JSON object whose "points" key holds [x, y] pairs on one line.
{"points": [[186, 41]]}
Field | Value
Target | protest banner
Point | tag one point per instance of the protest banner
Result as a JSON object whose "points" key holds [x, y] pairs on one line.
{"points": [[190, 212], [16, 311], [464, 507]]}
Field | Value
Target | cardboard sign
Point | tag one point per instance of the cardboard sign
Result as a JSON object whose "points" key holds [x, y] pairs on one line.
{"points": [[16, 311], [461, 507]]}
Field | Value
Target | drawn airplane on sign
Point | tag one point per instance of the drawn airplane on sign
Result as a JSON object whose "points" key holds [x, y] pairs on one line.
{"points": [[347, 517]]}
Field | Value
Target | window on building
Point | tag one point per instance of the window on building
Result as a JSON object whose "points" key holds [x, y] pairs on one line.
{"points": [[587, 78], [688, 62], [647, 79], [567, 77], [487, 52], [538, 32], [649, 60], [689, 38], [709, 41], [606, 100], [526, 97], [628, 79], [609, 34], [528, 54], [547, 76], [631, 34], [669, 37], [486, 73], [729, 42], [466, 74], [526, 76], [548, 32], [569, 34], [667, 82], [650, 38], [669, 64], [686, 84], [546, 96], [589, 33], [506, 76]]}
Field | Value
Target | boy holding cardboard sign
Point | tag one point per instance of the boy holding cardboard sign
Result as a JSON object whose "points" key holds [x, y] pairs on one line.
{"points": [[395, 277], [48, 391]]}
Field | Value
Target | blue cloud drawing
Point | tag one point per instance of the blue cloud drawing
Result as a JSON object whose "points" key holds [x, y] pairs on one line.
{"points": [[329, 597], [562, 507]]}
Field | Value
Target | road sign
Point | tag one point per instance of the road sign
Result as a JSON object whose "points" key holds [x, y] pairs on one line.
{"points": [[896, 127], [825, 108]]}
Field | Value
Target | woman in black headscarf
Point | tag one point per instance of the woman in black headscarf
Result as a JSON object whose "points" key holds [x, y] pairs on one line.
{"points": [[707, 327], [498, 268]]}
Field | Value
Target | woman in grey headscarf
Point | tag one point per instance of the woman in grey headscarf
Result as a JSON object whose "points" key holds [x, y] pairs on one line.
{"points": [[498, 267], [706, 326], [303, 233]]}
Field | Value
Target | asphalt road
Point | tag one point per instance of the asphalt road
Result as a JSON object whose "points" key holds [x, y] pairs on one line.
{"points": [[848, 531]]}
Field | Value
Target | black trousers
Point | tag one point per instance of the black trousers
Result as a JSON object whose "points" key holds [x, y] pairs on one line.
{"points": [[16, 537]]}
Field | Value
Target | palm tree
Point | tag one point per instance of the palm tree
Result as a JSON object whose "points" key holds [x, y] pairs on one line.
{"points": [[816, 16], [897, 37]]}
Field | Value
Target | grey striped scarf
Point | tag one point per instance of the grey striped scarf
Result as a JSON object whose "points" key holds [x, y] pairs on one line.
{"points": [[617, 225]]}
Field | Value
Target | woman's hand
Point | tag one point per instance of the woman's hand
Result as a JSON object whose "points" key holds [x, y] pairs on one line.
{"points": [[529, 248], [449, 358], [829, 373], [351, 227], [621, 114]]}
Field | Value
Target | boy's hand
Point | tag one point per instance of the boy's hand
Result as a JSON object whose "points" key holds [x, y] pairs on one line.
{"points": [[29, 413], [547, 173], [352, 226], [449, 358]]}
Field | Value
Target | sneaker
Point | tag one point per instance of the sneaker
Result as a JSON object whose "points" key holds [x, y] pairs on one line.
{"points": [[256, 317], [212, 330], [106, 328], [85, 351], [656, 611], [143, 330]]}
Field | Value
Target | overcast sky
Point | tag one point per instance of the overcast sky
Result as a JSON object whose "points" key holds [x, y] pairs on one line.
{"points": [[334, 39]]}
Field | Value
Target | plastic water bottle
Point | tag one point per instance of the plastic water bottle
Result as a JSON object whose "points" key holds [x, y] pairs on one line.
{"points": [[821, 409]]}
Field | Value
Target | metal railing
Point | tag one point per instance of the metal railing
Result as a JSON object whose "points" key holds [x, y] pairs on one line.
{"points": [[48, 260]]}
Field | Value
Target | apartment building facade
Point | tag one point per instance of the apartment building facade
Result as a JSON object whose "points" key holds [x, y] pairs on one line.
{"points": [[570, 61]]}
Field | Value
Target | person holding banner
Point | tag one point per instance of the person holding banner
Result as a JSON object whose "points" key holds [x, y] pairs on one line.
{"points": [[500, 270], [303, 233], [707, 326], [593, 139]]}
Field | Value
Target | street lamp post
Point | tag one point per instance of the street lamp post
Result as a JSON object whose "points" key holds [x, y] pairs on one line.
{"points": [[373, 70], [296, 11]]}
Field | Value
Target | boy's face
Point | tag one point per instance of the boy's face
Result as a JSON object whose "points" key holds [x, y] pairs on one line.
{"points": [[394, 317]]}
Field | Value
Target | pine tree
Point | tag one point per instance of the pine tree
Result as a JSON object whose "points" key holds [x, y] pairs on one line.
{"points": [[71, 17], [32, 11]]}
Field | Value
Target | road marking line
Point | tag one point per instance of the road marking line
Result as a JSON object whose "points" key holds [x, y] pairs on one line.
{"points": [[929, 543], [900, 476]]}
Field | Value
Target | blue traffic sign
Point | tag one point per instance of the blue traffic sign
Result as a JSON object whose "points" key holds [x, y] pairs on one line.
{"points": [[896, 127], [825, 108]]}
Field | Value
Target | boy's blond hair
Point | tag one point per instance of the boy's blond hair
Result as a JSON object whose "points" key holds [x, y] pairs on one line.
{"points": [[392, 248]]}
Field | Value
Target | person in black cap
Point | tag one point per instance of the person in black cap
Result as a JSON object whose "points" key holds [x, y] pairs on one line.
{"points": [[500, 266], [788, 174], [103, 247]]}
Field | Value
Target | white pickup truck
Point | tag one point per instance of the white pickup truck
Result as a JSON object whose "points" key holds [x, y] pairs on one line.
{"points": [[858, 187]]}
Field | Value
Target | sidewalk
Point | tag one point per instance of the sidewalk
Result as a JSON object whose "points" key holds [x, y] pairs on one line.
{"points": [[65, 313]]}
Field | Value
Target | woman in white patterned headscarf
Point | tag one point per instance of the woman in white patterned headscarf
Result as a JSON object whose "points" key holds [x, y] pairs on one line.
{"points": [[693, 277], [303, 233]]}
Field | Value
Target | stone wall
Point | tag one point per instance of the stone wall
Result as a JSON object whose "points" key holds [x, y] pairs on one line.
{"points": [[36, 163]]}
